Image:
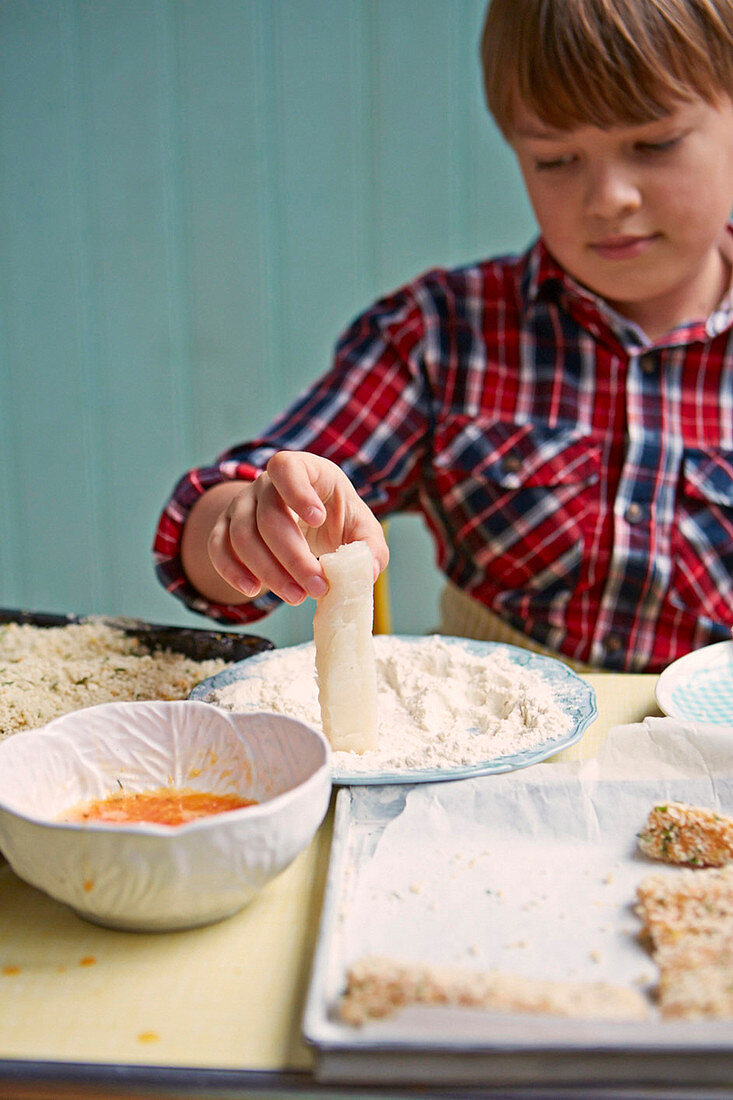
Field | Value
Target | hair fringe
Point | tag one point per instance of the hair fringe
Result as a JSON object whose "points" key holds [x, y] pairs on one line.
{"points": [[604, 62]]}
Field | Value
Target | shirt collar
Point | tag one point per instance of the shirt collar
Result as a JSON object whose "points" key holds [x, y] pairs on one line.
{"points": [[722, 317], [543, 279]]}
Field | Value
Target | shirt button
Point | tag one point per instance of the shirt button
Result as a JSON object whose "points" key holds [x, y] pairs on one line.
{"points": [[634, 512], [614, 643], [512, 463], [648, 364]]}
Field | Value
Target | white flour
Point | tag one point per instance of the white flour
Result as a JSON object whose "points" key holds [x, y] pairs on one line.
{"points": [[439, 704]]}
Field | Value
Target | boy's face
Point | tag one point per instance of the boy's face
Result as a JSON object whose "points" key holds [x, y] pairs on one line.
{"points": [[637, 213]]}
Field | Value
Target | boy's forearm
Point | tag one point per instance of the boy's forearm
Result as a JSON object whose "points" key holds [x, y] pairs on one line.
{"points": [[194, 545]]}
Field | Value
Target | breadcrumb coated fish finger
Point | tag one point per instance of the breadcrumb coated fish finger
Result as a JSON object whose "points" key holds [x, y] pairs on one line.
{"points": [[377, 987], [696, 978], [673, 907], [687, 917], [677, 833]]}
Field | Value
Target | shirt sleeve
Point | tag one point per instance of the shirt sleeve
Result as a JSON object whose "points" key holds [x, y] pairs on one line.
{"points": [[370, 414]]}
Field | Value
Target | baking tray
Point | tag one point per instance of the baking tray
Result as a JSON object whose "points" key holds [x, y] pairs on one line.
{"points": [[200, 645], [407, 900]]}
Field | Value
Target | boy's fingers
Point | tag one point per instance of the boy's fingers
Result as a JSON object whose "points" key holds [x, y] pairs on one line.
{"points": [[228, 565], [304, 482], [285, 544], [380, 551], [262, 536], [301, 479], [301, 507], [373, 535], [240, 557]]}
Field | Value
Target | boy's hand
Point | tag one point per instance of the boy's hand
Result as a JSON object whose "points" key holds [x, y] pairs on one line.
{"points": [[242, 538]]}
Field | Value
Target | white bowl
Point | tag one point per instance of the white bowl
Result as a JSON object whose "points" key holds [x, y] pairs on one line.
{"points": [[156, 877]]}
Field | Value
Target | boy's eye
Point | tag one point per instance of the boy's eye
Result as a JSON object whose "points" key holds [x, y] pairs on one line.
{"points": [[657, 146], [554, 162]]}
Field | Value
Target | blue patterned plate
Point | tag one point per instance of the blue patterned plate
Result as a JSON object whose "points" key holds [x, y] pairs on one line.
{"points": [[572, 694], [699, 686]]}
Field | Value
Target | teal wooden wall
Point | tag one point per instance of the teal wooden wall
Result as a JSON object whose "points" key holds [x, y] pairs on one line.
{"points": [[195, 197]]}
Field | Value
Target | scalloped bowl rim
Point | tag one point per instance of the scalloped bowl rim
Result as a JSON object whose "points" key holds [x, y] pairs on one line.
{"points": [[149, 828], [254, 811]]}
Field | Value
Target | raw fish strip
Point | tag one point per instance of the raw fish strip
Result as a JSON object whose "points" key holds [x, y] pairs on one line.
{"points": [[345, 665]]}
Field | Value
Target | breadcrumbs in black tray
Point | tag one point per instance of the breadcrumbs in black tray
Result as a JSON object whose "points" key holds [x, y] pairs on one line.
{"points": [[199, 645]]}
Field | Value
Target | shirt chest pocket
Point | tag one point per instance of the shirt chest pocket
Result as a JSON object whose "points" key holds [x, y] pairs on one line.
{"points": [[520, 497], [708, 476], [516, 456], [702, 539]]}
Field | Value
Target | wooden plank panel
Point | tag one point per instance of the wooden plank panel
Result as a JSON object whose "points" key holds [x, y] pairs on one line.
{"points": [[228, 175], [416, 135], [46, 436], [127, 71], [316, 60], [412, 145], [497, 213]]}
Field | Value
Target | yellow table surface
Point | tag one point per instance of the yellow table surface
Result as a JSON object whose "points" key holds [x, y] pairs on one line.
{"points": [[229, 996]]}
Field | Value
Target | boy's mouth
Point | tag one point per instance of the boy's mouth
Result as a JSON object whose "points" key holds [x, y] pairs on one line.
{"points": [[623, 247]]}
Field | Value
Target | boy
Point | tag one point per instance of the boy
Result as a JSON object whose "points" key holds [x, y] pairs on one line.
{"points": [[563, 420]]}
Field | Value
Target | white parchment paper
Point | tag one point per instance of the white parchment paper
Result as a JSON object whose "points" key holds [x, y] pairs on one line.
{"points": [[533, 872]]}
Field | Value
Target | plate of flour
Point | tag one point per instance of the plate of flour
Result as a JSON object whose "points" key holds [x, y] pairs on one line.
{"points": [[448, 707]]}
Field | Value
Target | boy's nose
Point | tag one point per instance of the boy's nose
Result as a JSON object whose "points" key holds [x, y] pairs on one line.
{"points": [[610, 191]]}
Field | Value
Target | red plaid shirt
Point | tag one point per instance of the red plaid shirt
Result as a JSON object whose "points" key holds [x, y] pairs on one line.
{"points": [[576, 477]]}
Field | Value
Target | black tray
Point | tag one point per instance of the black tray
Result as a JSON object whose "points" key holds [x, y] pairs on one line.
{"points": [[200, 645]]}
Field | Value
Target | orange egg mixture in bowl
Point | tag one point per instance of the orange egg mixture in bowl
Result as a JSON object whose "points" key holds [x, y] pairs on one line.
{"points": [[161, 806], [154, 816]]}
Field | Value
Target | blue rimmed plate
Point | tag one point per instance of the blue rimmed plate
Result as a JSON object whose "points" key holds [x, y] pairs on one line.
{"points": [[699, 686], [572, 694]]}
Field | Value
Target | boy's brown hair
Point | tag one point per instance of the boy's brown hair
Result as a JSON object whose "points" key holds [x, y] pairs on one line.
{"points": [[604, 62]]}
